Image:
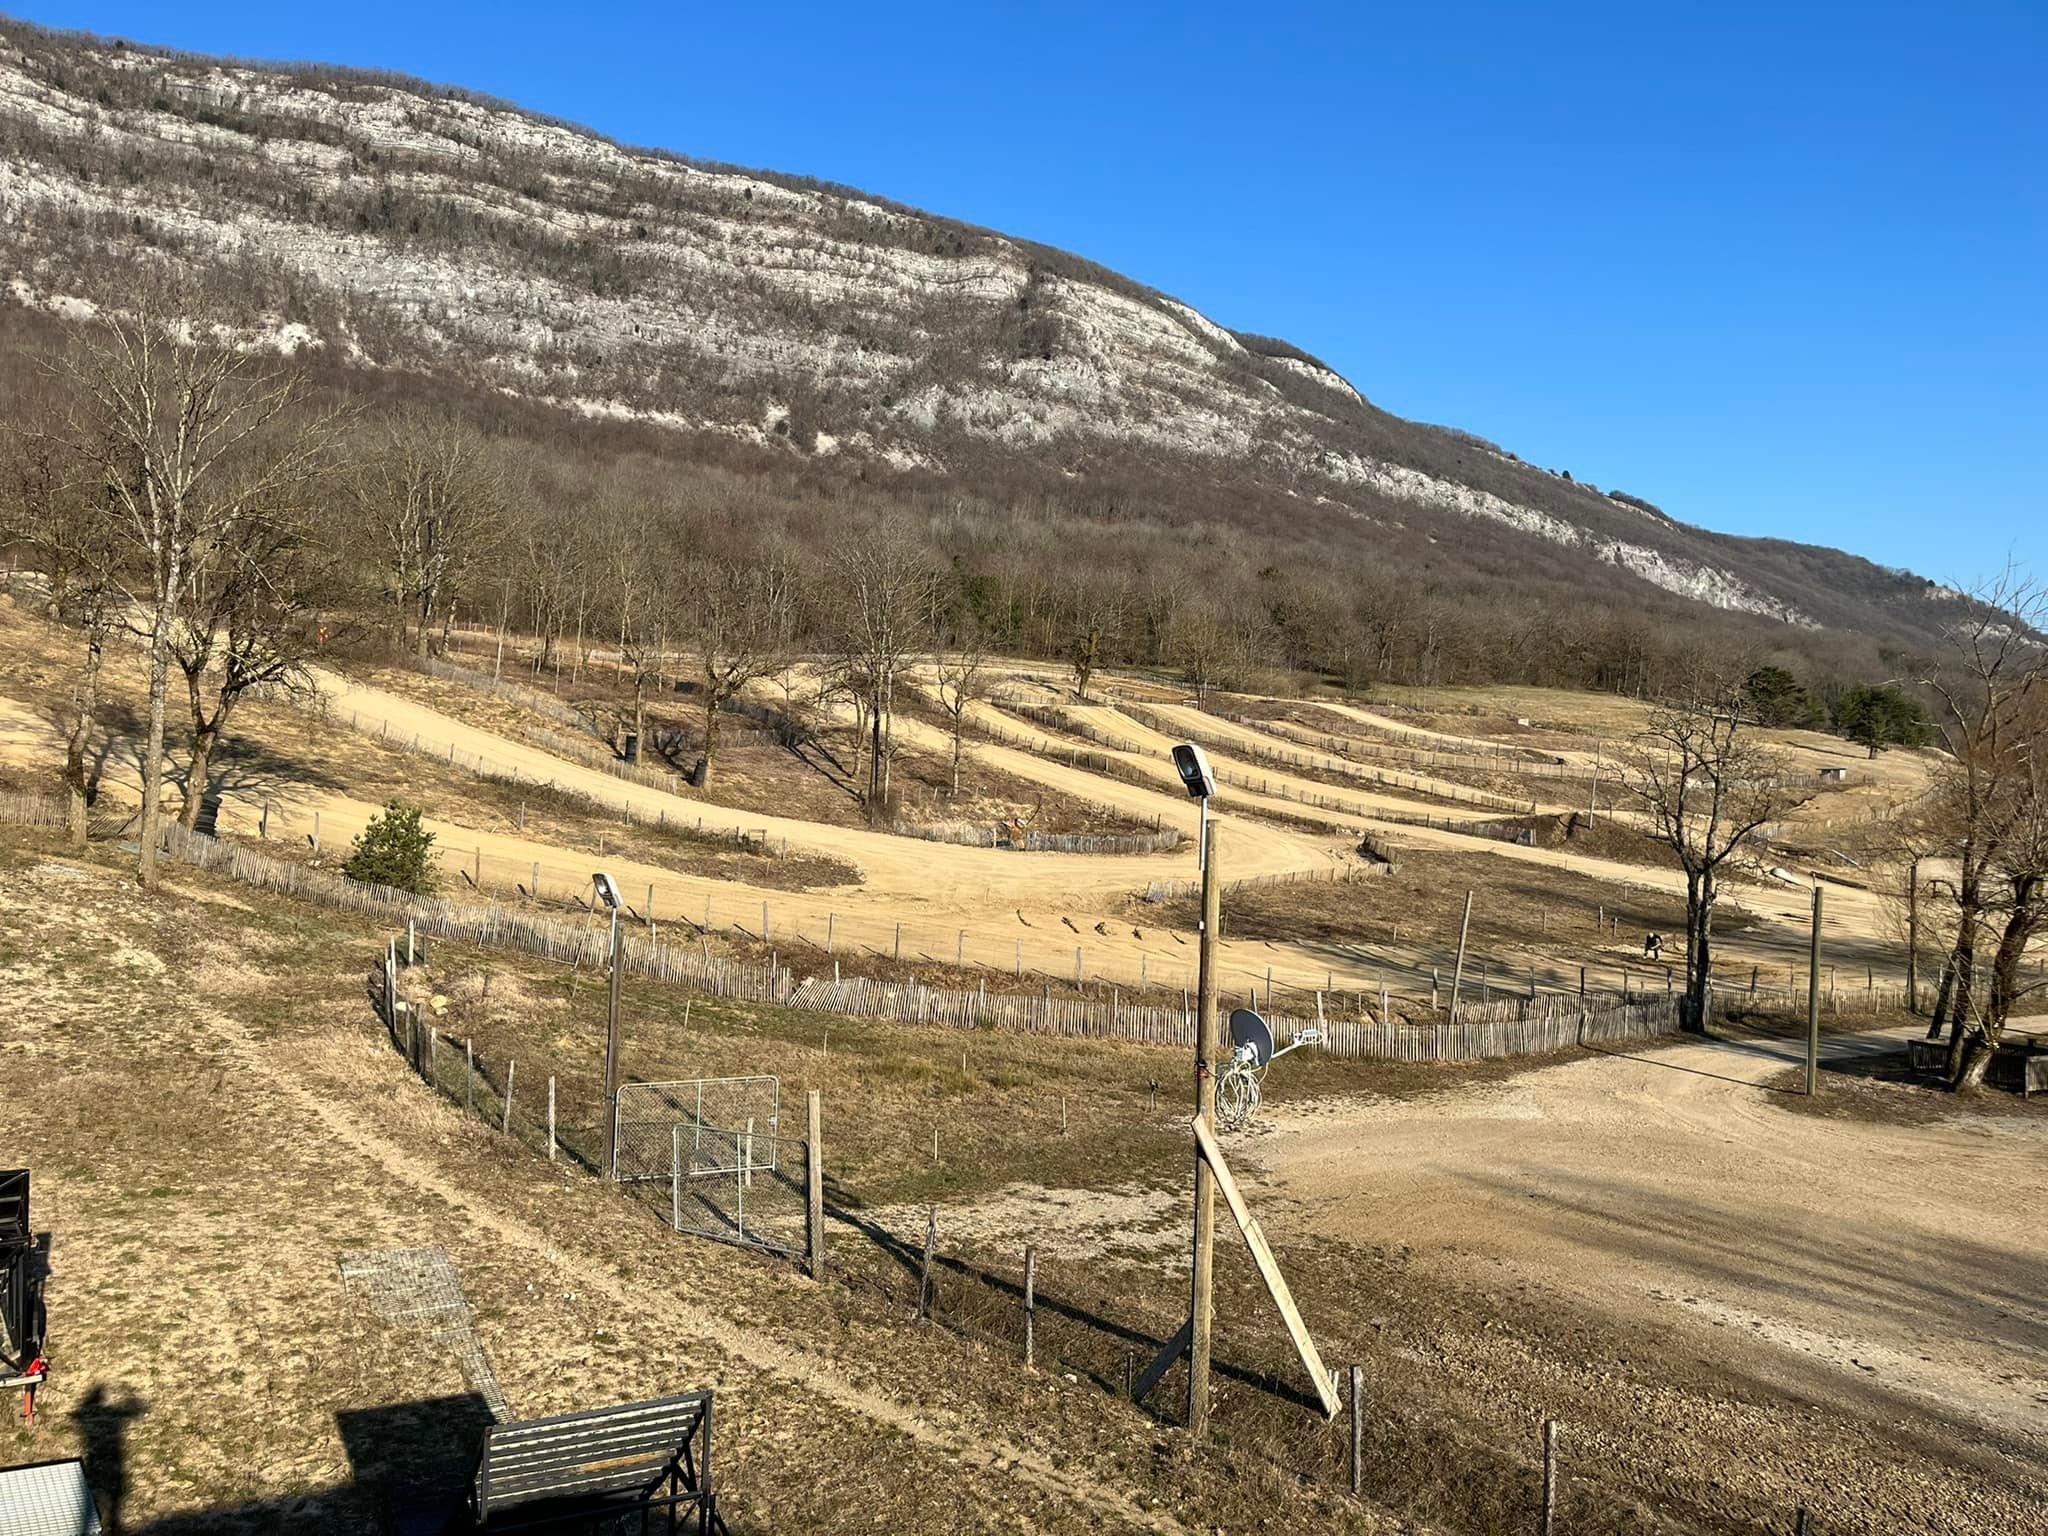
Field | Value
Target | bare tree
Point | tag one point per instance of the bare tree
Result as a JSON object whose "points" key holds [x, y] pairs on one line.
{"points": [[189, 439], [963, 680], [433, 502], [2021, 866], [51, 505], [250, 620], [1707, 786], [1989, 684], [885, 584], [744, 613], [645, 603]]}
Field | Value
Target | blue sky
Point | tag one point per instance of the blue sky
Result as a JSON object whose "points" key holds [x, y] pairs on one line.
{"points": [[1781, 269]]}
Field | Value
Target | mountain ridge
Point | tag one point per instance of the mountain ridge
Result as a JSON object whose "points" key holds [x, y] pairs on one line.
{"points": [[397, 225]]}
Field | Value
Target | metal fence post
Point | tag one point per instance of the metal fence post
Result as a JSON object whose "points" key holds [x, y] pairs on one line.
{"points": [[675, 1178]]}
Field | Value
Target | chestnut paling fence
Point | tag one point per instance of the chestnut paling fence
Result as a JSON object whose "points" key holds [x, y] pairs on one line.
{"points": [[1501, 1027]]}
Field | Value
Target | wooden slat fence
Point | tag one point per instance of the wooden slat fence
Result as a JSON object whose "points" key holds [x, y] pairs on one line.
{"points": [[1342, 767]]}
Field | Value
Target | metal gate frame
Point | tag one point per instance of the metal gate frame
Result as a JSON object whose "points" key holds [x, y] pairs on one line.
{"points": [[780, 1164], [681, 1106]]}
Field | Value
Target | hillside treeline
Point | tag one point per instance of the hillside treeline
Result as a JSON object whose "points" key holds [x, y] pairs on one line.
{"points": [[1233, 590]]}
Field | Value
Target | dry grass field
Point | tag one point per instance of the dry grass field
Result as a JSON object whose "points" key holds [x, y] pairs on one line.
{"points": [[1737, 1301]]}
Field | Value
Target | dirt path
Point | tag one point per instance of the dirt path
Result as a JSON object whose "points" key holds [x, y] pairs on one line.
{"points": [[1669, 1187], [970, 1448], [996, 909]]}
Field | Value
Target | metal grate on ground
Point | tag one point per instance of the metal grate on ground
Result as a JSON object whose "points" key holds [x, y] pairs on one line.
{"points": [[51, 1498], [419, 1287]]}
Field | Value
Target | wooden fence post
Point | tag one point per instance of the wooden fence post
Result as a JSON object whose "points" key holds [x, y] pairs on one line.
{"points": [[469, 1076], [1357, 1429], [511, 1071], [551, 1119], [1548, 1525], [924, 1271], [814, 1181], [316, 831], [1030, 1308]]}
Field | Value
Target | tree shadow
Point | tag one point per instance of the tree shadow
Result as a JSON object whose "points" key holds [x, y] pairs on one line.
{"points": [[1924, 1288], [909, 1257]]}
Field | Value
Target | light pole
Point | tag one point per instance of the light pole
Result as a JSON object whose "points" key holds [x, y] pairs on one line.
{"points": [[608, 893], [1192, 764]]}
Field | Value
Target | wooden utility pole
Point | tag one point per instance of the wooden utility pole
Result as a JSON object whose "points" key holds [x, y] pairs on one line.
{"points": [[814, 1180], [1458, 975], [1913, 937], [1813, 1000], [1199, 1313], [611, 1058]]}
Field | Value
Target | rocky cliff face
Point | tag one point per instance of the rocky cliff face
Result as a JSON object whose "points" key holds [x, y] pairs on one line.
{"points": [[400, 226]]}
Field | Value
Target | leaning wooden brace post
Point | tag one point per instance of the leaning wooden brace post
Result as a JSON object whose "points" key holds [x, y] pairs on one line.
{"points": [[814, 1180], [1458, 975], [1200, 1317], [1320, 1377]]}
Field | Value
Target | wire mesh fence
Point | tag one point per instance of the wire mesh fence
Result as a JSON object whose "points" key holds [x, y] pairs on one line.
{"points": [[652, 1115], [738, 1186]]}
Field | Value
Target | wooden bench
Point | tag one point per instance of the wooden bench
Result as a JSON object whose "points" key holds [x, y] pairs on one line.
{"points": [[579, 1471]]}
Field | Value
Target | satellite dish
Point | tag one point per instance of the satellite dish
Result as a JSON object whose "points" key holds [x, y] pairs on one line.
{"points": [[1247, 1029]]}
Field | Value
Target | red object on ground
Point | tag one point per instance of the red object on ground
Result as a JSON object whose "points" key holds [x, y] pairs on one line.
{"points": [[36, 1367]]}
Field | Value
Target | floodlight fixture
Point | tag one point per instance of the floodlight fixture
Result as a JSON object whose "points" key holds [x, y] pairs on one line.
{"points": [[1192, 763], [608, 893]]}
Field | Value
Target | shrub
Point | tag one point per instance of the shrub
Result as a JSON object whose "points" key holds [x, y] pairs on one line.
{"points": [[394, 850]]}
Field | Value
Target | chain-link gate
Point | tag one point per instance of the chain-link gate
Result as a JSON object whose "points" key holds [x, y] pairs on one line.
{"points": [[739, 1187], [650, 1112], [716, 1144]]}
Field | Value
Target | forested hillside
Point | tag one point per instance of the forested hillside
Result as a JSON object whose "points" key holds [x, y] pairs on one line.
{"points": [[615, 345]]}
